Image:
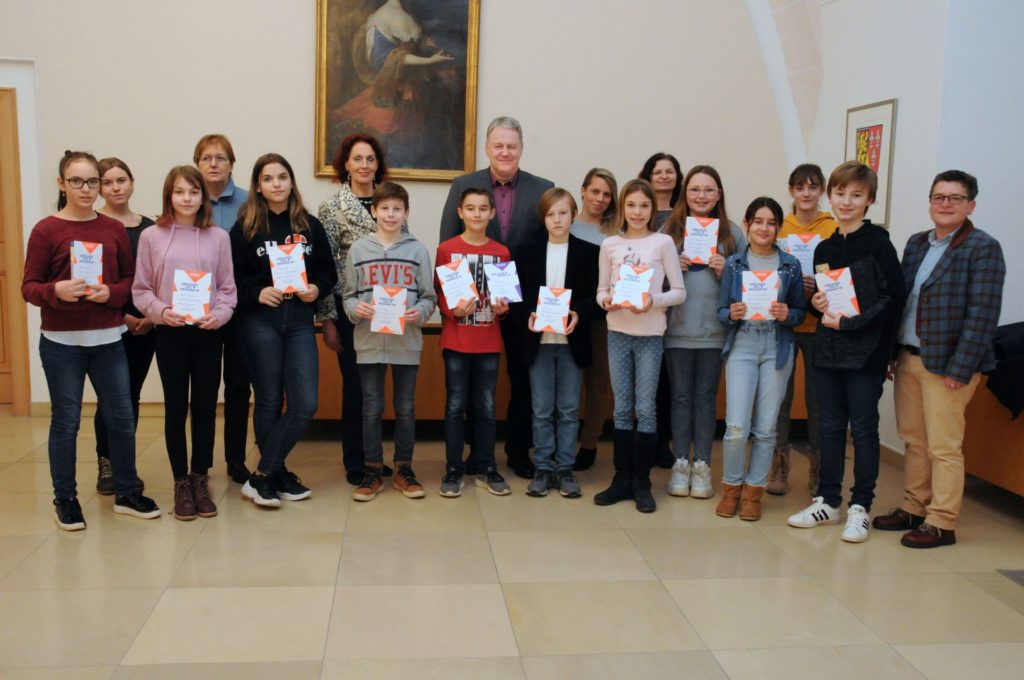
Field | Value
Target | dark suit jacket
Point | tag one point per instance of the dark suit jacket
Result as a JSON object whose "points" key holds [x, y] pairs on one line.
{"points": [[580, 277], [525, 227]]}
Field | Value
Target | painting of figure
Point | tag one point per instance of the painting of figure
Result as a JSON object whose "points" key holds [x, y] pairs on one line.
{"points": [[403, 71]]}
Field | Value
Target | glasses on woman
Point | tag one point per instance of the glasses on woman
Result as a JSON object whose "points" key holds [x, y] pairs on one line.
{"points": [[77, 182], [953, 199]]}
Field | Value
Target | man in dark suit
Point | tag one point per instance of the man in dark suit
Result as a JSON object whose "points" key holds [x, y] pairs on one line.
{"points": [[517, 226]]}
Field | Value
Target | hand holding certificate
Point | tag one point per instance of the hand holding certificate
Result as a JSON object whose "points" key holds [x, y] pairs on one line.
{"points": [[633, 286], [288, 267], [552, 315], [87, 263], [388, 310], [700, 239], [503, 282], [801, 246], [837, 285], [190, 298], [760, 290], [457, 283]]}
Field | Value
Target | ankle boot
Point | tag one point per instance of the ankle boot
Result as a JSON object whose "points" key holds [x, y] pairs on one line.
{"points": [[750, 503], [778, 478], [644, 453], [205, 507], [184, 502], [730, 500], [814, 465], [622, 458]]}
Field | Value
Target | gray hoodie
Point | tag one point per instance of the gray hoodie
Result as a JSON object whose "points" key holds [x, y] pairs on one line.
{"points": [[405, 263]]}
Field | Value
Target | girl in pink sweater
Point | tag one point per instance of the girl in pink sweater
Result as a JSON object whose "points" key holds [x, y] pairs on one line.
{"points": [[180, 252]]}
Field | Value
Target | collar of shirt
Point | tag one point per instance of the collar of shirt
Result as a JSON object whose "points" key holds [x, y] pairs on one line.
{"points": [[228, 192], [495, 182], [933, 240]]}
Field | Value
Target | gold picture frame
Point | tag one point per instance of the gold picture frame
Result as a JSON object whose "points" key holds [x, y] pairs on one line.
{"points": [[404, 71], [871, 139]]}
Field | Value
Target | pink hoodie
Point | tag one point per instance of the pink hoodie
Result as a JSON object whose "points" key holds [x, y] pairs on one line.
{"points": [[164, 249]]}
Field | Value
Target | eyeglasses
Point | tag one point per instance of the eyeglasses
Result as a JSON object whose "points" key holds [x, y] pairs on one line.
{"points": [[208, 160], [77, 182], [695, 191], [955, 199]]}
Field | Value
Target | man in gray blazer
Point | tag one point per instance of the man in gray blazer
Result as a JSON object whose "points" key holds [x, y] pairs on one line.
{"points": [[516, 225]]}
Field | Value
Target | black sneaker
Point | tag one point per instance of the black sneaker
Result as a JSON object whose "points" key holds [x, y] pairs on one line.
{"points": [[136, 505], [105, 478], [290, 487], [542, 481], [567, 484], [68, 514], [261, 490], [494, 483]]}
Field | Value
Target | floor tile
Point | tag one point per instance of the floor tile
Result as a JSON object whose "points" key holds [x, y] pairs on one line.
{"points": [[94, 673], [958, 661], [266, 624], [390, 511], [322, 513], [650, 666], [519, 511], [767, 612], [15, 549], [724, 552], [998, 586], [594, 618], [292, 670], [821, 551], [577, 555], [411, 558], [983, 544], [837, 663], [495, 668]]}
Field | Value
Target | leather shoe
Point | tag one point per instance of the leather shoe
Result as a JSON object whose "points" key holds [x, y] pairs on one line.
{"points": [[927, 536], [584, 459], [238, 473], [897, 520]]}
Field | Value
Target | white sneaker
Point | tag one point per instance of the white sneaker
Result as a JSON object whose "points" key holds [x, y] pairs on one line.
{"points": [[700, 481], [857, 525], [818, 512], [679, 482]]}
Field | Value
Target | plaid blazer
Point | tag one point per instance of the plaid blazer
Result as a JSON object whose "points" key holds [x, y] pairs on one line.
{"points": [[959, 304]]}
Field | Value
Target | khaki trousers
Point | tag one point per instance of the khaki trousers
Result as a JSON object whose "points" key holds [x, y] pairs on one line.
{"points": [[930, 420]]}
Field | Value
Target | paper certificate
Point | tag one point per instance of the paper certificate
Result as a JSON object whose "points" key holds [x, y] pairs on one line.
{"points": [[503, 282], [288, 267], [191, 294], [457, 283], [760, 290], [633, 286], [388, 310], [837, 285], [801, 246], [87, 263], [552, 310], [700, 239]]}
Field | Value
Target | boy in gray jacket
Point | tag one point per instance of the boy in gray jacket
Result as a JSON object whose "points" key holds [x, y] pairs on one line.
{"points": [[394, 259]]}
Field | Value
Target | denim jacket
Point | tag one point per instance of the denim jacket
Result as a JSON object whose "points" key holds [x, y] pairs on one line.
{"points": [[791, 291]]}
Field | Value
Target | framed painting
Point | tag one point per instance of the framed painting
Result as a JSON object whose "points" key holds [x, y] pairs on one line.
{"points": [[870, 135], [405, 72]]}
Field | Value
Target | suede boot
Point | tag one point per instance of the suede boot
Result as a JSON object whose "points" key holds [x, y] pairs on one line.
{"points": [[621, 488], [730, 500], [750, 503], [778, 478], [644, 452]]}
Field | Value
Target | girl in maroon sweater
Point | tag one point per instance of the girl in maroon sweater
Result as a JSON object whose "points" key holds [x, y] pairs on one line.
{"points": [[81, 336]]}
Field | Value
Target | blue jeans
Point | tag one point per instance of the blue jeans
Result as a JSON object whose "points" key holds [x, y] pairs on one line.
{"points": [[634, 362], [754, 389], [469, 376], [139, 350], [693, 376], [403, 379], [555, 382], [849, 396], [66, 367], [280, 351]]}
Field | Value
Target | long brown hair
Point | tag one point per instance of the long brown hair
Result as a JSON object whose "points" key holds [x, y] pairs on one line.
{"points": [[255, 214], [676, 223], [191, 175], [632, 187]]}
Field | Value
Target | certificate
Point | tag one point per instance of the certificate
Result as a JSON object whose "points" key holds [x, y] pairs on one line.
{"points": [[633, 286], [503, 282], [760, 290], [87, 263], [700, 239], [288, 267], [837, 285], [190, 296], [388, 310], [552, 310], [457, 283], [801, 246]]}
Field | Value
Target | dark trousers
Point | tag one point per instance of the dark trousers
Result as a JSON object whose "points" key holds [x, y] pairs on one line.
{"points": [[139, 351], [849, 396], [236, 394], [403, 396], [469, 378], [519, 419], [188, 359], [351, 395]]}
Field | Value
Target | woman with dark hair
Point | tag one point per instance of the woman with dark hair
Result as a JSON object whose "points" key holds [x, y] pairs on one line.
{"points": [[694, 339], [116, 187], [346, 218], [185, 249], [759, 349], [277, 325], [662, 170], [81, 334]]}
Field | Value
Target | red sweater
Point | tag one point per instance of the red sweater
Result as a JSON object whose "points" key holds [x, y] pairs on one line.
{"points": [[48, 260], [478, 333]]}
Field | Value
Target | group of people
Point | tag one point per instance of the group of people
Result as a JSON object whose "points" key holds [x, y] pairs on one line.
{"points": [[930, 319]]}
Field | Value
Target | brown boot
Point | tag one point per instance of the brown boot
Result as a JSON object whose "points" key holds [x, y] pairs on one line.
{"points": [[184, 502], [730, 500], [205, 507], [814, 464], [778, 478], [750, 503]]}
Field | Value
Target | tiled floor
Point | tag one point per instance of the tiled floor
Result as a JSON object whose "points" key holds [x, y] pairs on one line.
{"points": [[485, 587]]}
